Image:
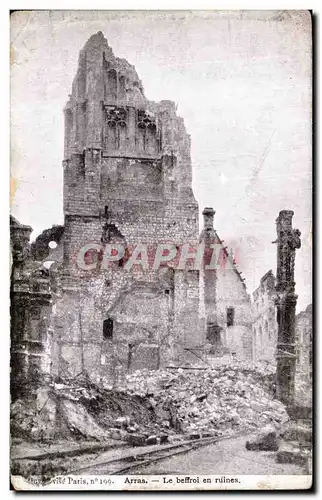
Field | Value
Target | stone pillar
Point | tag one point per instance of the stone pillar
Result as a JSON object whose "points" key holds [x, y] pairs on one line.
{"points": [[208, 237], [209, 275], [288, 240]]}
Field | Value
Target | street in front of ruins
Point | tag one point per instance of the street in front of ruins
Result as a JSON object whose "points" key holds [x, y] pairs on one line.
{"points": [[228, 457]]}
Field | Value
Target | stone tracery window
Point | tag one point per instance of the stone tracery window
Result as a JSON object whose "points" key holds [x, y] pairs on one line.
{"points": [[147, 128], [116, 124]]}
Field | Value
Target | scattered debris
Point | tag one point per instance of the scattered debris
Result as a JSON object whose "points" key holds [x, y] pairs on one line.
{"points": [[219, 400], [153, 406]]}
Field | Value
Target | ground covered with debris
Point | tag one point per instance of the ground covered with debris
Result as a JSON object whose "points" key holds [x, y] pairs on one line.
{"points": [[220, 401], [146, 408], [152, 406]]}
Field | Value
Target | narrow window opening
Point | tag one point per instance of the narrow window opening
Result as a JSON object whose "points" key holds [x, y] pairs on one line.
{"points": [[108, 329], [230, 316]]}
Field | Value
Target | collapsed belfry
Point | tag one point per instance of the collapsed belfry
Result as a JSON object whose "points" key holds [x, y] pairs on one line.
{"points": [[127, 179], [128, 188]]}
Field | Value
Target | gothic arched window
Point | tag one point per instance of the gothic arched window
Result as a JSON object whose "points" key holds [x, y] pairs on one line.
{"points": [[111, 91], [116, 124], [147, 132]]}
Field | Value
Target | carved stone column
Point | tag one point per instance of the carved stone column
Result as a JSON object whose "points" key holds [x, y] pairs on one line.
{"points": [[288, 240]]}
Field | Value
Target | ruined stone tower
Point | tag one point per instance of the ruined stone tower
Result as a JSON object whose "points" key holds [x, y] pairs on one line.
{"points": [[127, 179], [127, 189], [124, 155]]}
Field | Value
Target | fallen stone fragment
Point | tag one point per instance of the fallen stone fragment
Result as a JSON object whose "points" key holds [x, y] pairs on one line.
{"points": [[122, 422], [298, 432], [136, 439], [207, 434], [193, 436], [267, 440], [133, 428], [152, 440], [201, 397], [164, 438], [290, 453]]}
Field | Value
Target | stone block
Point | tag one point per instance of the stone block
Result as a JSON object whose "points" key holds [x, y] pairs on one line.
{"points": [[136, 439], [265, 441]]}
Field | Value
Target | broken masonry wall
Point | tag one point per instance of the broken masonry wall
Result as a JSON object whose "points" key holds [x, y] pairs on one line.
{"points": [[226, 308], [40, 249], [239, 341], [151, 323], [129, 194], [264, 319], [142, 316], [109, 117], [189, 329], [208, 281], [31, 336], [30, 312], [127, 179], [139, 222], [82, 180], [304, 343], [237, 328]]}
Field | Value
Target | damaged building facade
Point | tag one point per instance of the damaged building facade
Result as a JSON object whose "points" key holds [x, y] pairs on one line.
{"points": [[304, 341], [265, 327], [127, 186], [264, 316], [30, 310]]}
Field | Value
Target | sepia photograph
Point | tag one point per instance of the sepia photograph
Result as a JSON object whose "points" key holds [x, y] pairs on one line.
{"points": [[161, 309]]}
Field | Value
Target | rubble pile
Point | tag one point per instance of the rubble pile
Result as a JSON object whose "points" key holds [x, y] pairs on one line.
{"points": [[79, 409], [153, 406], [218, 401], [32, 416], [303, 389]]}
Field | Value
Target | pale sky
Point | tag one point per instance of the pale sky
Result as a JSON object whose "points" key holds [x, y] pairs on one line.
{"points": [[242, 83]]}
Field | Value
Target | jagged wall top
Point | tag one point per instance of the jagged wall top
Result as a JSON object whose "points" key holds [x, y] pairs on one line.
{"points": [[108, 111], [97, 58]]}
